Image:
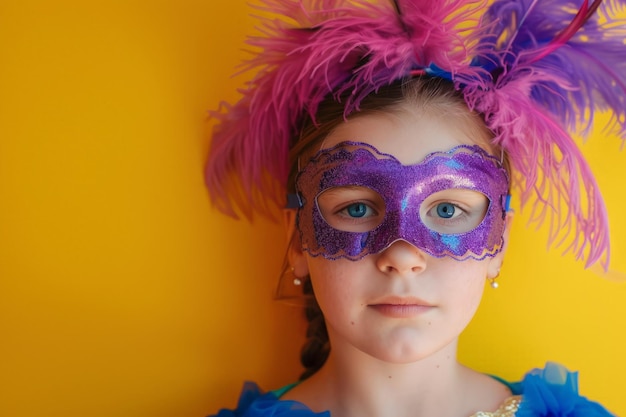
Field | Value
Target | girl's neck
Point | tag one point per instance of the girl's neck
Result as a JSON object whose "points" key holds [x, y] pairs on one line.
{"points": [[376, 388], [355, 384]]}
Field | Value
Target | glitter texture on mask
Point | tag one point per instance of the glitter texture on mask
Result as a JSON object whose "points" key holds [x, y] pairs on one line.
{"points": [[403, 189]]}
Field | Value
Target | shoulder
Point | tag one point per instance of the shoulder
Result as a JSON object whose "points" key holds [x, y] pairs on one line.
{"points": [[553, 391], [255, 403]]}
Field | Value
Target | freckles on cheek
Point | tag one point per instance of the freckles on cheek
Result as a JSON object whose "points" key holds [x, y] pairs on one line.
{"points": [[470, 287], [474, 296]]}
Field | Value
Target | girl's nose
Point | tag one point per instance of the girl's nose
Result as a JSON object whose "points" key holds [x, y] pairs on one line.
{"points": [[401, 257]]}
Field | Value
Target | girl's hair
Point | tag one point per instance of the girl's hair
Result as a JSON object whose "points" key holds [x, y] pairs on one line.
{"points": [[433, 97]]}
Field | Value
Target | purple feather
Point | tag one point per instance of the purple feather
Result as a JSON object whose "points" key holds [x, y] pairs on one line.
{"points": [[549, 76]]}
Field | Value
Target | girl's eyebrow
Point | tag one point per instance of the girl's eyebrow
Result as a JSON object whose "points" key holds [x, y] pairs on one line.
{"points": [[338, 189]]}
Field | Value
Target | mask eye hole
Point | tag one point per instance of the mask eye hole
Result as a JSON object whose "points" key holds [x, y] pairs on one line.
{"points": [[454, 211], [351, 208]]}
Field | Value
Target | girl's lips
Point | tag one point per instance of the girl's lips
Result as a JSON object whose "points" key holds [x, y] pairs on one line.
{"points": [[401, 310], [401, 307]]}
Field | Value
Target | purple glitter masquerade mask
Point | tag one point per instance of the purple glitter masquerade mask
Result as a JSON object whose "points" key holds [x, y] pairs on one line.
{"points": [[356, 201]]}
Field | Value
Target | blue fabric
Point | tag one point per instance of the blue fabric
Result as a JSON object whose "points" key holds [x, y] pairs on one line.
{"points": [[553, 391], [548, 392], [254, 403]]}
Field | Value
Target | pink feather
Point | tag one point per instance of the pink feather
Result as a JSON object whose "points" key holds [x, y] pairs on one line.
{"points": [[304, 59]]}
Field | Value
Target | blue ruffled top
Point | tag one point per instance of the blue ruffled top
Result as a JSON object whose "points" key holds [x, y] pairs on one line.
{"points": [[548, 392]]}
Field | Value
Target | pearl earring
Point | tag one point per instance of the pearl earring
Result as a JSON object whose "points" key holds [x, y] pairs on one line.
{"points": [[296, 281], [492, 281]]}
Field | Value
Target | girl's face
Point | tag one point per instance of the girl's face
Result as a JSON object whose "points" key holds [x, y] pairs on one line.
{"points": [[401, 304]]}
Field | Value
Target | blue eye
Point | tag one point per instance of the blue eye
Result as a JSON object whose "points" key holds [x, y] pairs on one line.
{"points": [[445, 210], [356, 210]]}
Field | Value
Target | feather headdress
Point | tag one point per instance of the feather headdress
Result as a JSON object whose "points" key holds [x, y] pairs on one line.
{"points": [[534, 69]]}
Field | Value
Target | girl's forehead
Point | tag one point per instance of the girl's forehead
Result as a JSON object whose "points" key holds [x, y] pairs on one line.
{"points": [[408, 136]]}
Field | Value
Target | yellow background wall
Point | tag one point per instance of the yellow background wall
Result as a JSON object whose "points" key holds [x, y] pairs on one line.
{"points": [[122, 293]]}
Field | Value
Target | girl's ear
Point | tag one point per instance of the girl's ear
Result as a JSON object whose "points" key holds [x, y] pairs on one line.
{"points": [[295, 255], [493, 270]]}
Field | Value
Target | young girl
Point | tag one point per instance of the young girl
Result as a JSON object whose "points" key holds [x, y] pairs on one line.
{"points": [[404, 132]]}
